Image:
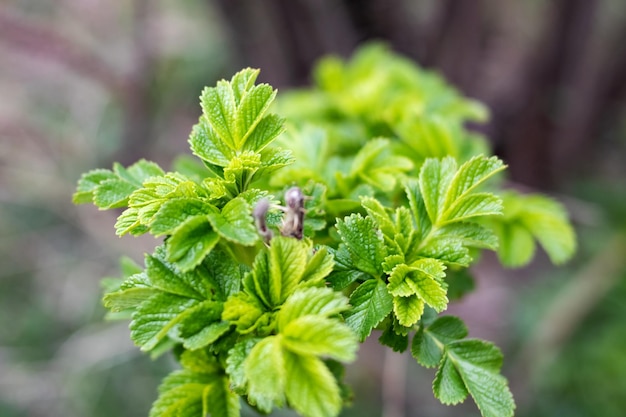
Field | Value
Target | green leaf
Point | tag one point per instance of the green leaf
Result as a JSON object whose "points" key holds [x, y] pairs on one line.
{"points": [[112, 190], [287, 263], [266, 375], [471, 174], [377, 211], [278, 271], [418, 208], [371, 303], [113, 193], [344, 273], [517, 245], [474, 205], [322, 302], [166, 277], [265, 132], [242, 82], [198, 389], [397, 342], [447, 192], [182, 395], [312, 389], [89, 182], [206, 145], [167, 303], [376, 165], [244, 311], [235, 223], [138, 172], [234, 116], [448, 249], [172, 213], [128, 222], [226, 272], [529, 217], [219, 107], [220, 400], [364, 242], [547, 220], [191, 243], [318, 266], [477, 363], [408, 310], [234, 363], [434, 179], [254, 103], [200, 361], [428, 343], [448, 385], [157, 316], [471, 235], [194, 329], [125, 299], [422, 278], [428, 136], [320, 336]]}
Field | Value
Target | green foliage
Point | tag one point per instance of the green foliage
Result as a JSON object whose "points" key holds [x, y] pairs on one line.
{"points": [[397, 204], [530, 218]]}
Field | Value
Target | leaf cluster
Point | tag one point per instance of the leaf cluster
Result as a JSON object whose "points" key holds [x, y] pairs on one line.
{"points": [[241, 312], [398, 204]]}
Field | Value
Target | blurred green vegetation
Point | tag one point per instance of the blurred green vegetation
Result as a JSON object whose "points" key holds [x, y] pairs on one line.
{"points": [[86, 83]]}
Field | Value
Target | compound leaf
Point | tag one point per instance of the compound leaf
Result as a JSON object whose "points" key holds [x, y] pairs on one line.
{"points": [[478, 363]]}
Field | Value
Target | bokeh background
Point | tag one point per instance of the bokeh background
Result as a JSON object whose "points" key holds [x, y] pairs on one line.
{"points": [[84, 83]]}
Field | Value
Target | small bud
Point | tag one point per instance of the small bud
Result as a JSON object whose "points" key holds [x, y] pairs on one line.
{"points": [[293, 221], [260, 213]]}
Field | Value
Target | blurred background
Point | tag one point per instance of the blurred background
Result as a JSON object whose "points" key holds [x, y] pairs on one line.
{"points": [[84, 83]]}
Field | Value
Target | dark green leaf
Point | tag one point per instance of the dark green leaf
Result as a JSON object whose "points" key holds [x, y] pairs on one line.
{"points": [[397, 342], [429, 343], [478, 363]]}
